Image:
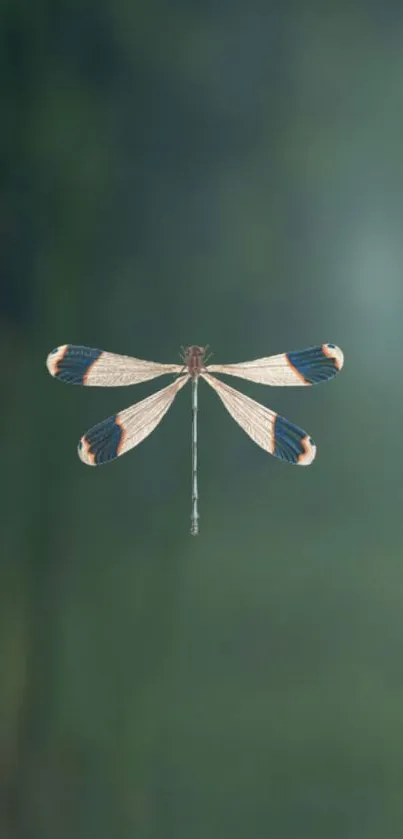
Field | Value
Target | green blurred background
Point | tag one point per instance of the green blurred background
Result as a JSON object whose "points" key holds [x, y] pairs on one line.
{"points": [[231, 174]]}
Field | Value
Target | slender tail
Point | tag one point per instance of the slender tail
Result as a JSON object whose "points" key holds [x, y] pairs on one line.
{"points": [[194, 527]]}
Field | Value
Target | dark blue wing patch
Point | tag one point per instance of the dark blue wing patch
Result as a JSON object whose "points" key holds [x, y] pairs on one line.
{"points": [[102, 443], [292, 444], [71, 363], [317, 364]]}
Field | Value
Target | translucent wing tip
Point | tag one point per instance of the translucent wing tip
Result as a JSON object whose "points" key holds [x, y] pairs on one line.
{"points": [[84, 452], [103, 442], [54, 358], [334, 352], [73, 364], [292, 444], [309, 452], [315, 364]]}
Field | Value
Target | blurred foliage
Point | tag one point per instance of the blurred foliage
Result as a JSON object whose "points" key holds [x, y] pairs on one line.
{"points": [[231, 174]]}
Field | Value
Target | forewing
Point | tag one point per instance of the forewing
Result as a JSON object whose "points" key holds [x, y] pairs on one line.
{"points": [[273, 433], [117, 434], [87, 366], [303, 367]]}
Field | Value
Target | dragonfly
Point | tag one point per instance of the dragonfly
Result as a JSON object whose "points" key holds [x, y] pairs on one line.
{"points": [[121, 432]]}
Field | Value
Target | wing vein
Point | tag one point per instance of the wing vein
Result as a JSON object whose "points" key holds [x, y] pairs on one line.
{"points": [[269, 430], [123, 431], [95, 368], [303, 367]]}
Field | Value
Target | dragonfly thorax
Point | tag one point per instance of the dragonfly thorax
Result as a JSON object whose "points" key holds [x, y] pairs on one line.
{"points": [[194, 360]]}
